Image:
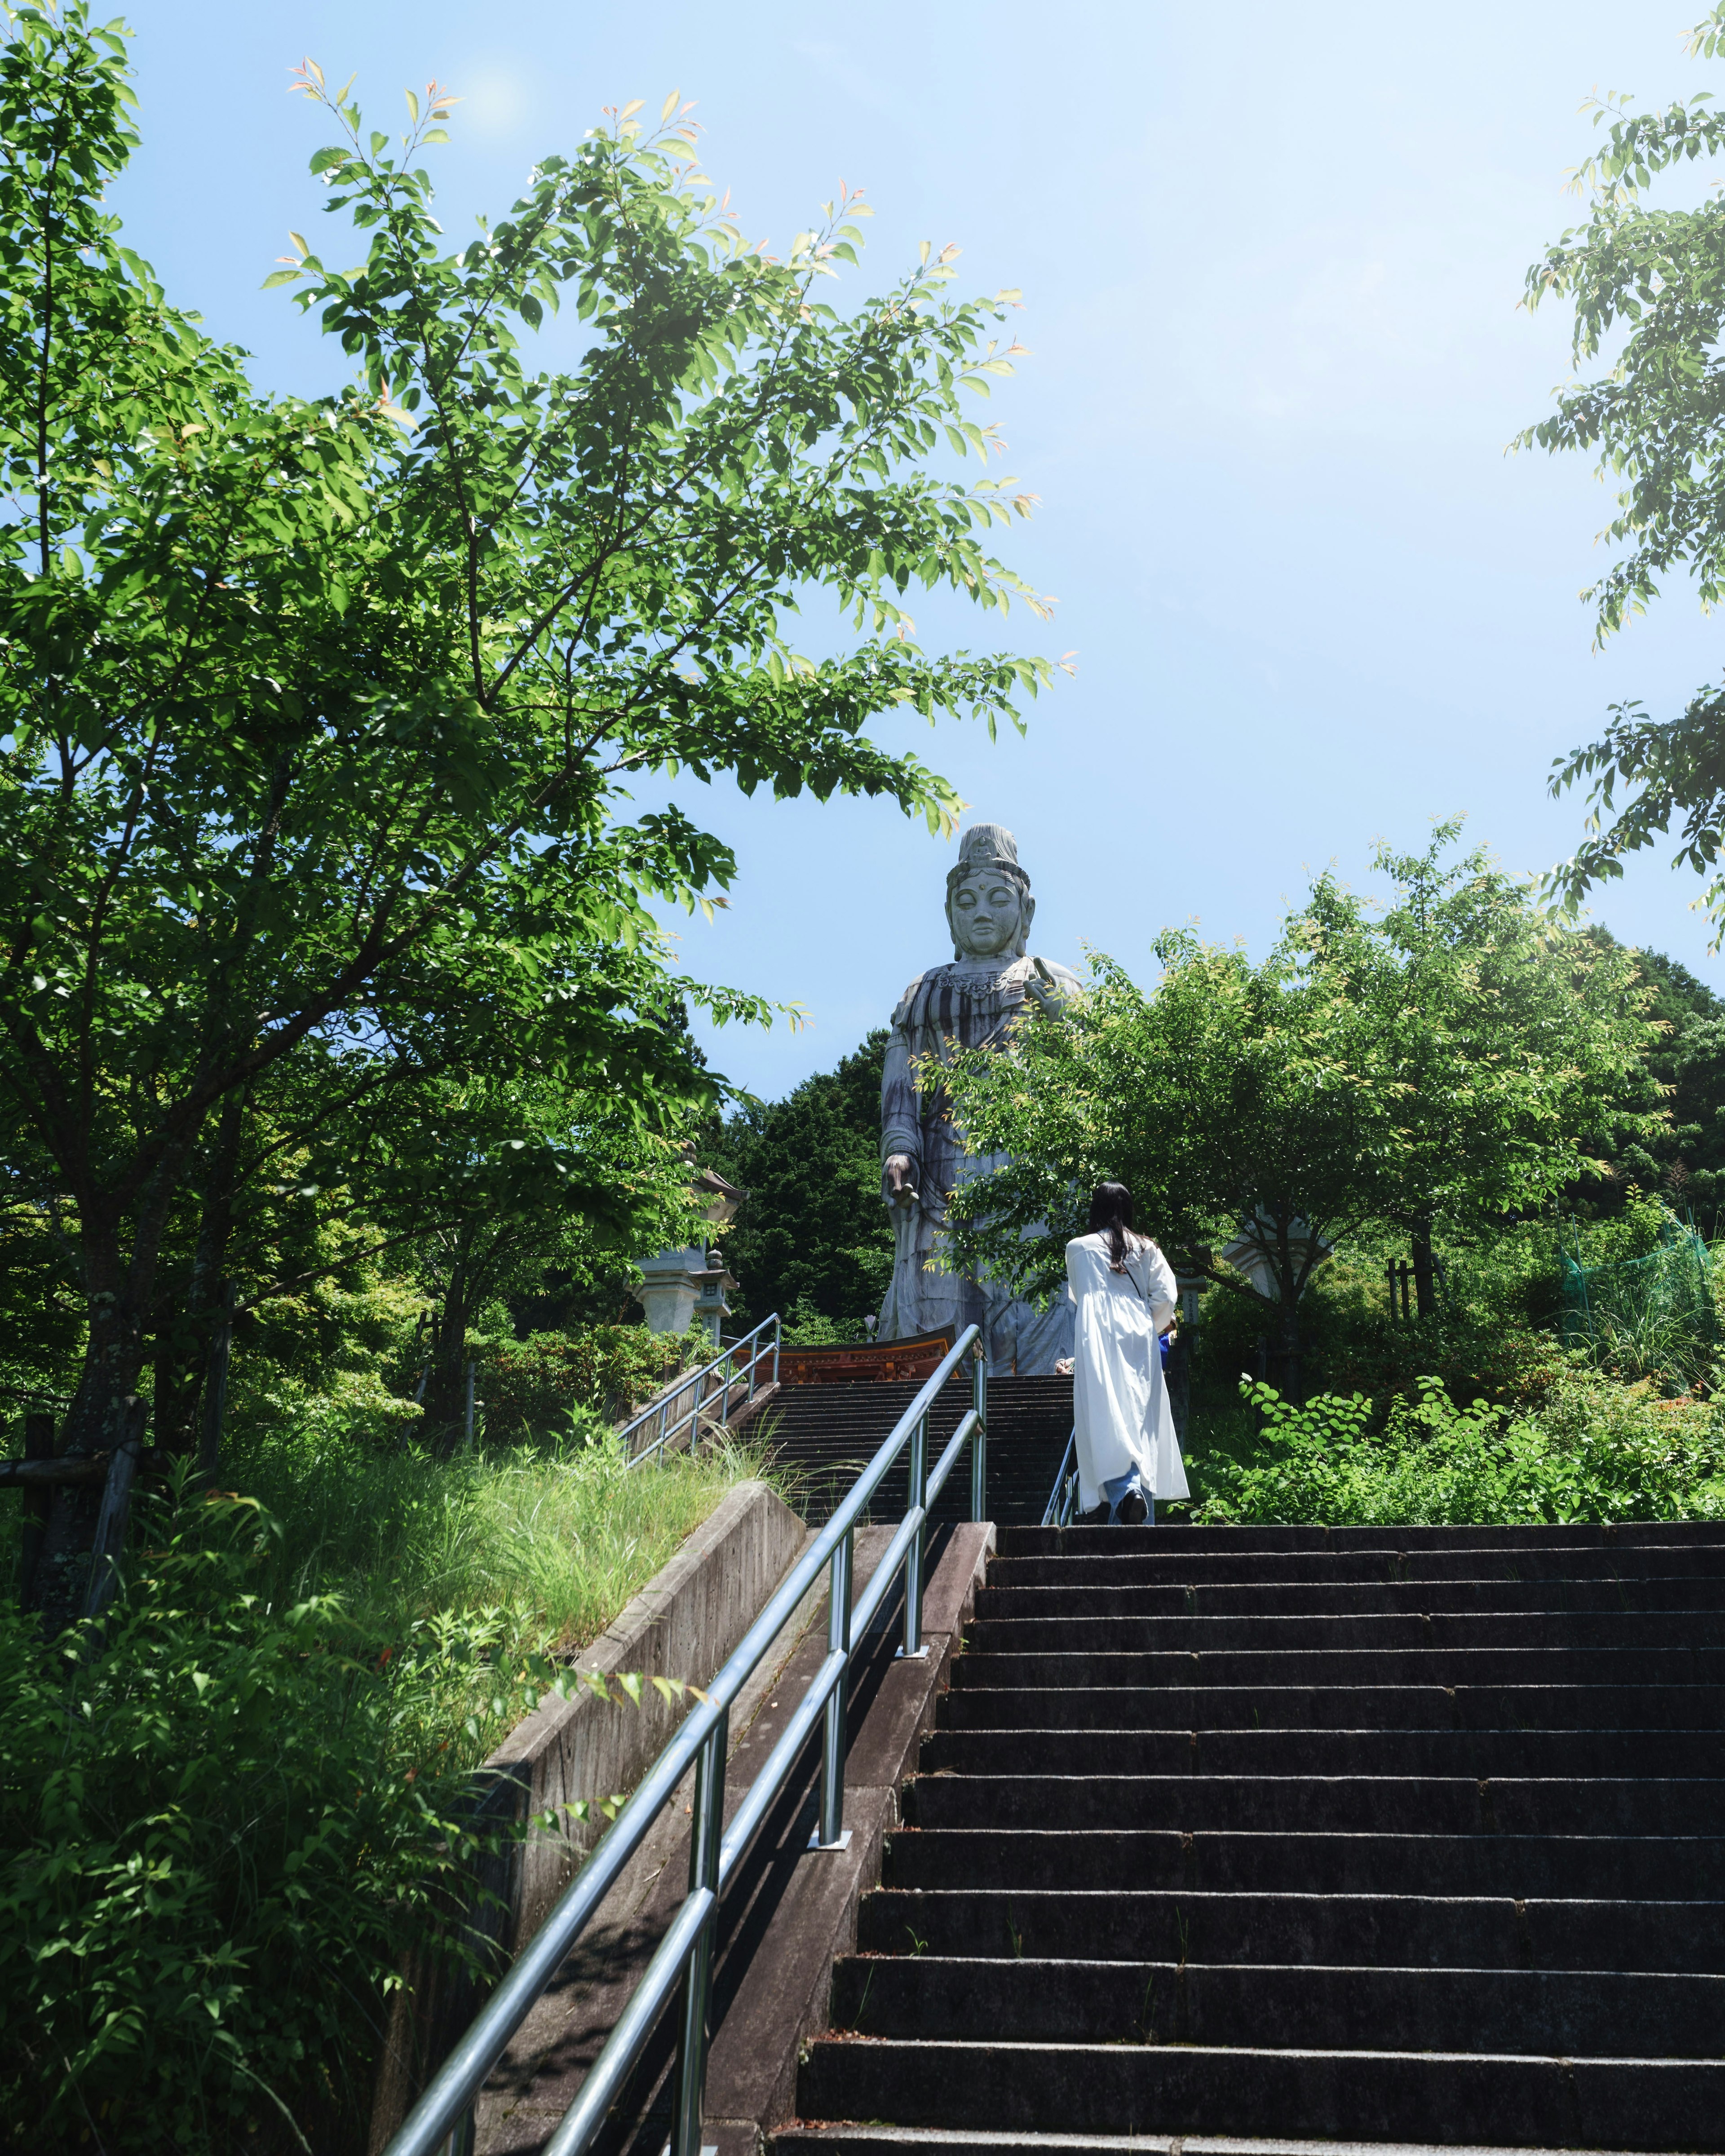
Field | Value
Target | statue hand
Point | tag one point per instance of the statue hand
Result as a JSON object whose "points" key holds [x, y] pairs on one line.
{"points": [[900, 1176], [1051, 997]]}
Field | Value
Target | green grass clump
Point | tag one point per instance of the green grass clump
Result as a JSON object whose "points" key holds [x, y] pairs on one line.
{"points": [[546, 1545]]}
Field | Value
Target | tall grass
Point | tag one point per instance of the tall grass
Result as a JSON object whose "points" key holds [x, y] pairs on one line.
{"points": [[226, 1812], [549, 1544]]}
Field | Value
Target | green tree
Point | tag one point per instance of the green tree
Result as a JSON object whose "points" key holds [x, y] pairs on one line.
{"points": [[1685, 1161], [1506, 1055], [497, 1184], [1434, 1068], [310, 704], [812, 1238], [1651, 281]]}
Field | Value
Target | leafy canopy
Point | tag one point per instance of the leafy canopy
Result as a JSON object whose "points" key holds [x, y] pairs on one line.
{"points": [[813, 1239], [1647, 285], [1442, 1063], [317, 717]]}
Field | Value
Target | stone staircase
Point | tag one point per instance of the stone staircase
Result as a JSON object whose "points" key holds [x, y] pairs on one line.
{"points": [[824, 1436], [1285, 1838]]}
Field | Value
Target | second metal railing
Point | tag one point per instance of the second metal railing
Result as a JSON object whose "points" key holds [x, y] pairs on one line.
{"points": [[740, 1362], [442, 2119], [1063, 1498]]}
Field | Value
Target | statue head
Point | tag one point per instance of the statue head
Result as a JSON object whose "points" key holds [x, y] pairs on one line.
{"points": [[989, 908]]}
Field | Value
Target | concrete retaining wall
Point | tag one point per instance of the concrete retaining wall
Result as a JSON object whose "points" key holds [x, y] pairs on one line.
{"points": [[685, 1625]]}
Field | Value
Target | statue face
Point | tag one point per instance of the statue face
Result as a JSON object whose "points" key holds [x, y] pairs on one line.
{"points": [[990, 916]]}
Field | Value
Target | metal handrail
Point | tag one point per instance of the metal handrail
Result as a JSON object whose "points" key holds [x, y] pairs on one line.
{"points": [[1062, 1506], [1063, 1498], [441, 2120], [661, 1407]]}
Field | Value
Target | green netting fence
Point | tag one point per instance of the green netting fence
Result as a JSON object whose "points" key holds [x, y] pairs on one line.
{"points": [[1644, 1310]]}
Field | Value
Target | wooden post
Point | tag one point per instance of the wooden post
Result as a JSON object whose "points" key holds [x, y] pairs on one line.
{"points": [[1424, 1271]]}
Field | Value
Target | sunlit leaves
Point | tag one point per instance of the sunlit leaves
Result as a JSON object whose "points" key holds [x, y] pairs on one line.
{"points": [[1652, 281], [1459, 1058], [319, 716]]}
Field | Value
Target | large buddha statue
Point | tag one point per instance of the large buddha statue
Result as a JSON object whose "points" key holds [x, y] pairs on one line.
{"points": [[970, 1003]]}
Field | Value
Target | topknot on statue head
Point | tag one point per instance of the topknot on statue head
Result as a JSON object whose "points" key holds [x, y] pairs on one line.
{"points": [[990, 850]]}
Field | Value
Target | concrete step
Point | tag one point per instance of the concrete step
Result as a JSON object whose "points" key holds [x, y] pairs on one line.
{"points": [[1255, 1569], [1295, 2007], [1525, 1866], [1397, 1838], [1105, 1542], [1346, 1803], [1547, 1754], [1360, 2096], [1336, 1706], [1453, 1667], [843, 2140], [821, 1436], [1352, 1930], [1348, 1599], [1112, 1627]]}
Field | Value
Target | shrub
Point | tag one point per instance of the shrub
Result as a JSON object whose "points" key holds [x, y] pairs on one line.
{"points": [[1492, 1336], [806, 1327], [224, 1821], [1594, 1451], [533, 1386]]}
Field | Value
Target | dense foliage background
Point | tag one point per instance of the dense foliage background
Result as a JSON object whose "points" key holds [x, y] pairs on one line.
{"points": [[812, 1238]]}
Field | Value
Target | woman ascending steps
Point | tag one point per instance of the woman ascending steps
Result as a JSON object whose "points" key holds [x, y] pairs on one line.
{"points": [[1126, 1294]]}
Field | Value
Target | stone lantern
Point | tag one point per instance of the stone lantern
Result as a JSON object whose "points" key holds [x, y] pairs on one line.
{"points": [[678, 1287]]}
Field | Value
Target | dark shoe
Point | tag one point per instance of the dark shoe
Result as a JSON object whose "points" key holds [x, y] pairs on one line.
{"points": [[1097, 1516], [1133, 1512]]}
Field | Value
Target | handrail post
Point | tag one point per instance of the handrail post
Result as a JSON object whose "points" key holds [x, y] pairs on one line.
{"points": [[709, 1833], [979, 1442], [916, 1500], [777, 1330], [679, 1973], [829, 1833]]}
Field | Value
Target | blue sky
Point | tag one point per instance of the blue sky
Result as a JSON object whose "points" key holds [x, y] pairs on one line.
{"points": [[1270, 259]]}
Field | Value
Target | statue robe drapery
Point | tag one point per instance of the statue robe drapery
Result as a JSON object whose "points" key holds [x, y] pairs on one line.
{"points": [[969, 1003]]}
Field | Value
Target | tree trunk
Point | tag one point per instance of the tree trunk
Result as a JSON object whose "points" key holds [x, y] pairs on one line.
{"points": [[101, 1418], [113, 1512], [1288, 1386], [39, 1444], [445, 1390], [185, 1339], [215, 1390], [1424, 1272], [1287, 1313]]}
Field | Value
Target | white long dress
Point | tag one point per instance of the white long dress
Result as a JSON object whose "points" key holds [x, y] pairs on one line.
{"points": [[1120, 1402]]}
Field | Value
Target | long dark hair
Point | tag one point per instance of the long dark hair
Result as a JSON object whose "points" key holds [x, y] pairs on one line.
{"points": [[1110, 1214]]}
